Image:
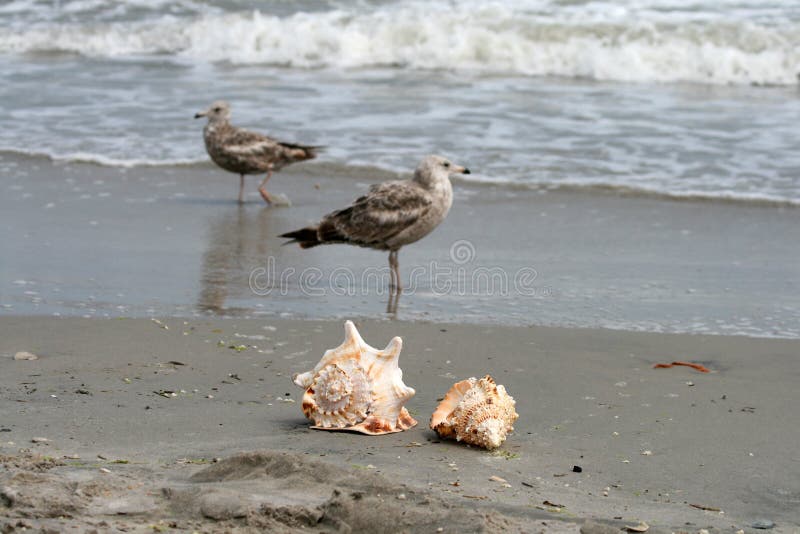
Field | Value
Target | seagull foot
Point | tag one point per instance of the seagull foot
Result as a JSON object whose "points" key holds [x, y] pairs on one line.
{"points": [[280, 200]]}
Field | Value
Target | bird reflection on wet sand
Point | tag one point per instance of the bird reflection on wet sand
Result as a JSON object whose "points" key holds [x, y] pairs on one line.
{"points": [[238, 242]]}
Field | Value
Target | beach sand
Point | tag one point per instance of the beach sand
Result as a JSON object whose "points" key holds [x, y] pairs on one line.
{"points": [[123, 452]]}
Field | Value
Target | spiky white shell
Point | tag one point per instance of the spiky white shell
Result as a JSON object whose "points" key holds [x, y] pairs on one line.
{"points": [[357, 387], [478, 412]]}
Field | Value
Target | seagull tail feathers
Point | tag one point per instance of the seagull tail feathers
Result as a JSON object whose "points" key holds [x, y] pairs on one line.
{"points": [[303, 152], [306, 237]]}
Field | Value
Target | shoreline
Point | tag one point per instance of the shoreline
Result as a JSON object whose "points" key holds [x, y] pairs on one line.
{"points": [[585, 397], [321, 169], [83, 240]]}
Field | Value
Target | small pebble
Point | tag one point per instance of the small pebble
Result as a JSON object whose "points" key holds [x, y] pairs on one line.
{"points": [[763, 524], [39, 440], [25, 356]]}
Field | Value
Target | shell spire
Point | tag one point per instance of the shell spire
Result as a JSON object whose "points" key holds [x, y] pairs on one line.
{"points": [[358, 388], [478, 412]]}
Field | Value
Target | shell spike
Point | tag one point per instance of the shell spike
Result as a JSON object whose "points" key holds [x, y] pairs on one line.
{"points": [[303, 379], [351, 334], [392, 350]]}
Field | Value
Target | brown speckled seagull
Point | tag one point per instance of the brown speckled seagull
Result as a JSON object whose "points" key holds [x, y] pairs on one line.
{"points": [[244, 152], [391, 215]]}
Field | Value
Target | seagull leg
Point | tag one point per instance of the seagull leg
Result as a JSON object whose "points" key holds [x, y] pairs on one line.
{"points": [[263, 190], [392, 283], [394, 266], [241, 189], [394, 286], [391, 306]]}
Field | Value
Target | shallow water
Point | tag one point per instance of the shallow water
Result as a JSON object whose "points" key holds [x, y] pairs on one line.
{"points": [[97, 241], [646, 96]]}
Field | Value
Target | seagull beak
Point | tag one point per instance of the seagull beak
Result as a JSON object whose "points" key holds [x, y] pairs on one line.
{"points": [[461, 170], [198, 115]]}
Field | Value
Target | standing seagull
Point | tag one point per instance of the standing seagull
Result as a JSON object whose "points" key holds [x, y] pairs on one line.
{"points": [[391, 215], [244, 152]]}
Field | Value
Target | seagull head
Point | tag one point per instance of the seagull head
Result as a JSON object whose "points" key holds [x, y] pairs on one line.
{"points": [[218, 111], [434, 168]]}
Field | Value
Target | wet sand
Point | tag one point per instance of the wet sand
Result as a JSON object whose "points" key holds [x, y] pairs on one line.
{"points": [[650, 442], [85, 240]]}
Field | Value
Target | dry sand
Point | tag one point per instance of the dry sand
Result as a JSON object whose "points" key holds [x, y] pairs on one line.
{"points": [[134, 415]]}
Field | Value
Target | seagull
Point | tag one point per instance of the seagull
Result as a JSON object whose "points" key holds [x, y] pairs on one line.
{"points": [[245, 152], [391, 215]]}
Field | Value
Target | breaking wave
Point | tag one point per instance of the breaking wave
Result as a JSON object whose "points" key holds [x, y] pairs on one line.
{"points": [[601, 44], [99, 159]]}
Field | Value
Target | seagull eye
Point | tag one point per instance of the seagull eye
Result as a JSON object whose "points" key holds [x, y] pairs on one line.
{"points": [[446, 164], [218, 109]]}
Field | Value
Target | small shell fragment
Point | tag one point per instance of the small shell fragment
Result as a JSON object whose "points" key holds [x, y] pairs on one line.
{"points": [[478, 412]]}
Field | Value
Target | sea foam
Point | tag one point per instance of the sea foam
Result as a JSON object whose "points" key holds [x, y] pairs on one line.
{"points": [[590, 42]]}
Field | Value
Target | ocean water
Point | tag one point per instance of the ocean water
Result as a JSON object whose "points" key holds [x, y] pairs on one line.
{"points": [[666, 97]]}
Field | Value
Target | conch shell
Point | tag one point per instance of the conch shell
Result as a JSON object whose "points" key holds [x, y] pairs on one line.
{"points": [[358, 388], [478, 412]]}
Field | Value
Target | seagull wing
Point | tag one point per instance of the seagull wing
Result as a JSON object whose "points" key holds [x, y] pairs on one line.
{"points": [[375, 218], [245, 143]]}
